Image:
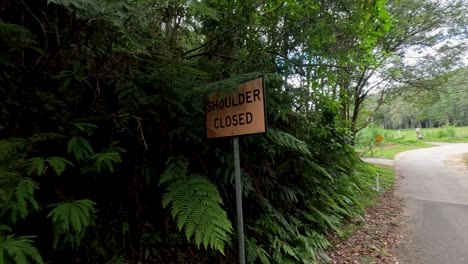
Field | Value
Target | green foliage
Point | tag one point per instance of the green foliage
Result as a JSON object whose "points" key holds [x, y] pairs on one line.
{"points": [[196, 206], [71, 219], [80, 147], [18, 249], [58, 164], [13, 37], [106, 160], [20, 201], [255, 252], [427, 103], [136, 72], [289, 242], [289, 142], [8, 147], [85, 127]]}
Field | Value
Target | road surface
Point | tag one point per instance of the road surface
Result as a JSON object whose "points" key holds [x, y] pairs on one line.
{"points": [[434, 182]]}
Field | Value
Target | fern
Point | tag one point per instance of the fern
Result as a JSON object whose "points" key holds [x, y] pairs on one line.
{"points": [[176, 169], [85, 127], [8, 147], [39, 137], [18, 250], [58, 164], [5, 228], [14, 36], [36, 166], [80, 147], [196, 206], [106, 160], [290, 239], [22, 199], [288, 141], [72, 219], [254, 252]]}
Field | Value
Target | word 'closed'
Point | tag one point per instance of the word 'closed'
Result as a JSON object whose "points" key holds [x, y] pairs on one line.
{"points": [[241, 113]]}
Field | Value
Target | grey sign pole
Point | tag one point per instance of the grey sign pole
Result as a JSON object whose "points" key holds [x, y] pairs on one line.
{"points": [[240, 221]]}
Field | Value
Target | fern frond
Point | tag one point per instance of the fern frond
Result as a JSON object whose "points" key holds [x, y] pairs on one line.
{"points": [[36, 166], [80, 147], [289, 141], [59, 164], [7, 174], [318, 169], [85, 127], [72, 219], [106, 160], [196, 206], [18, 250], [44, 136], [9, 147], [176, 168], [5, 228], [22, 198], [254, 252]]}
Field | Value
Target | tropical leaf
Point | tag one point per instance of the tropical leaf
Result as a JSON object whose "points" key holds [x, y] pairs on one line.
{"points": [[196, 206], [85, 127], [72, 219], [10, 146], [289, 142], [80, 147], [59, 164], [107, 160], [22, 200], [18, 250]]}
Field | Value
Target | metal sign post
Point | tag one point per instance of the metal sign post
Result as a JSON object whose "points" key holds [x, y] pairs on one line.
{"points": [[241, 113], [240, 220]]}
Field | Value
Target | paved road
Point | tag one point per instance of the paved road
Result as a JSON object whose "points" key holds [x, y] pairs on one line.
{"points": [[434, 182]]}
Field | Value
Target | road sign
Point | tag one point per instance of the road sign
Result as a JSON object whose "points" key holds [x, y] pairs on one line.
{"points": [[242, 113]]}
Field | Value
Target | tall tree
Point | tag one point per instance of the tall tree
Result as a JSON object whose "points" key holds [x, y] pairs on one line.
{"points": [[434, 28]]}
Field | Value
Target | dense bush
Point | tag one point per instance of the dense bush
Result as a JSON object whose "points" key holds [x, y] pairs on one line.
{"points": [[103, 157]]}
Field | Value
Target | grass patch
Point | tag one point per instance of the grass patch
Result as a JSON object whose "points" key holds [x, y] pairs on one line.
{"points": [[369, 196], [386, 179], [448, 134], [396, 141], [386, 176], [389, 150]]}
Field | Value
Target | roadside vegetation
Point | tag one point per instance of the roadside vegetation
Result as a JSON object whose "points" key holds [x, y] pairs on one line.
{"points": [[369, 198], [103, 149], [374, 237], [395, 141]]}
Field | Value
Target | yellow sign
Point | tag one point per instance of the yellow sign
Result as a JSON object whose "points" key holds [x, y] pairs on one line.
{"points": [[379, 138], [242, 113]]}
